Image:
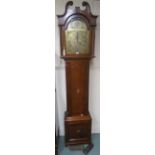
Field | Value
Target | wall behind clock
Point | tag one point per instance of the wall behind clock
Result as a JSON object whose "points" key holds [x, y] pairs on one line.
{"points": [[94, 86]]}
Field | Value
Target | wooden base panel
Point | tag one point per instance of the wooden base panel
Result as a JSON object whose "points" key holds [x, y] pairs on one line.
{"points": [[77, 130]]}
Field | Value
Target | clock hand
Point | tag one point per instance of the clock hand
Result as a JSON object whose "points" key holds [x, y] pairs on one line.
{"points": [[77, 37], [77, 41]]}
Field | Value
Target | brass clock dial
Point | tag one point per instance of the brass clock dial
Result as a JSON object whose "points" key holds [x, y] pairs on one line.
{"points": [[77, 38]]}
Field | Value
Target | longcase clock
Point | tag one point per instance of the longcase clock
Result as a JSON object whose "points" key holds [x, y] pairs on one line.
{"points": [[77, 35]]}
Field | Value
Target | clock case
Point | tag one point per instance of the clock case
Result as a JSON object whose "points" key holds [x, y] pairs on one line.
{"points": [[77, 118]]}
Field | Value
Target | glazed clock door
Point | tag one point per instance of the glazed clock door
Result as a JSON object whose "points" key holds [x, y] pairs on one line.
{"points": [[77, 38]]}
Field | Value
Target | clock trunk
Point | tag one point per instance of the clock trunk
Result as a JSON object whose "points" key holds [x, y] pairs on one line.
{"points": [[77, 79]]}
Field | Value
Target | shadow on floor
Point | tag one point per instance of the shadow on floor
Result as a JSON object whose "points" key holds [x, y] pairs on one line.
{"points": [[78, 150]]}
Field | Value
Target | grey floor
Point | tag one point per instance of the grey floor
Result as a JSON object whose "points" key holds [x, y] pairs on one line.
{"points": [[78, 150]]}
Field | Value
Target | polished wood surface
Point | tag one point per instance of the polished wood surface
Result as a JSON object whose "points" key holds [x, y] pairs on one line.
{"points": [[77, 86]]}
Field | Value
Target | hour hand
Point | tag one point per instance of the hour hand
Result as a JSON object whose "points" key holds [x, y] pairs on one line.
{"points": [[77, 37]]}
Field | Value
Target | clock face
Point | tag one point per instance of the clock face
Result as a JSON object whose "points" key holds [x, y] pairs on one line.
{"points": [[77, 38]]}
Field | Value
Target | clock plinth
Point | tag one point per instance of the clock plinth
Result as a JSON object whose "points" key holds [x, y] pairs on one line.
{"points": [[77, 35], [77, 129]]}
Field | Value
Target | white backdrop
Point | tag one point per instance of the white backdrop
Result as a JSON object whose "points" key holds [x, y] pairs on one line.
{"points": [[94, 93]]}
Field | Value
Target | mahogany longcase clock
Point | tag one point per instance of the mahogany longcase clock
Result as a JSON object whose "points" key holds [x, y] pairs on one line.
{"points": [[77, 35]]}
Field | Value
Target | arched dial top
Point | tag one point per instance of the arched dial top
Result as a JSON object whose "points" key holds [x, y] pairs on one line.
{"points": [[77, 38], [77, 24]]}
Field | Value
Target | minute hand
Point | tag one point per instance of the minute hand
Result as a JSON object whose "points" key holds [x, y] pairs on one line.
{"points": [[77, 38]]}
